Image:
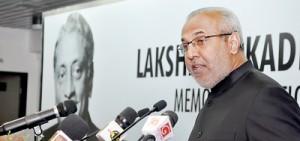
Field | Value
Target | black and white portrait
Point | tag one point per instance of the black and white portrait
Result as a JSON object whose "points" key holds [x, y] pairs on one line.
{"points": [[73, 67]]}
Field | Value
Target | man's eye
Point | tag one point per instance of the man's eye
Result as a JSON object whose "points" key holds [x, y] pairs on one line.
{"points": [[200, 40], [185, 46], [61, 74], [77, 72]]}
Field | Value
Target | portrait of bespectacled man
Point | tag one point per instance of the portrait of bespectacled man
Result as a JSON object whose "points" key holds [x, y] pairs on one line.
{"points": [[73, 68]]}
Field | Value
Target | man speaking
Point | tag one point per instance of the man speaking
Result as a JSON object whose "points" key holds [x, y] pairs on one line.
{"points": [[244, 104]]}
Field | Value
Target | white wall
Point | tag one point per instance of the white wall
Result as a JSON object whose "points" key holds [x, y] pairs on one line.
{"points": [[20, 51]]}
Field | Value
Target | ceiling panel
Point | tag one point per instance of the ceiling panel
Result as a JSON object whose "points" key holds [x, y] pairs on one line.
{"points": [[20, 13]]}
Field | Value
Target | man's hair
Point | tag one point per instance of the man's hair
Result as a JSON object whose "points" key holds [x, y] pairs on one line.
{"points": [[76, 23], [229, 22]]}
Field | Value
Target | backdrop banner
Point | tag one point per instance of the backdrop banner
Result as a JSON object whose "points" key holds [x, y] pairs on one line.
{"points": [[136, 62]]}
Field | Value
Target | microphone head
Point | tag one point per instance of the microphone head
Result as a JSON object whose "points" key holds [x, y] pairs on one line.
{"points": [[172, 116], [159, 105], [66, 108], [74, 127], [149, 138], [126, 117], [143, 112]]}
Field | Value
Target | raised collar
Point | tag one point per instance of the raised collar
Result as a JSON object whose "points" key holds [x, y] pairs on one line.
{"points": [[231, 78]]}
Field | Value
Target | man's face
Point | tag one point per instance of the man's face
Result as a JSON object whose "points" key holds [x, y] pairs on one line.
{"points": [[71, 80], [210, 63]]}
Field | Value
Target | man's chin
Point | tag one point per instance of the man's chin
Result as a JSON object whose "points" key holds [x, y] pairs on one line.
{"points": [[205, 84]]}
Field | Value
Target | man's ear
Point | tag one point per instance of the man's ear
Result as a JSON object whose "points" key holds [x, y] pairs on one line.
{"points": [[234, 42], [90, 76]]}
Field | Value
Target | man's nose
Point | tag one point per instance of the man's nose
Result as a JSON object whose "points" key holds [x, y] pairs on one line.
{"points": [[191, 52], [70, 89]]}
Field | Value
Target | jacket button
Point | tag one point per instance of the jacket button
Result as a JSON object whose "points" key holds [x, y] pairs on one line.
{"points": [[199, 134], [209, 103]]}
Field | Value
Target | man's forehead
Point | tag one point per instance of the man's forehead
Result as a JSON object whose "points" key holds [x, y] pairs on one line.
{"points": [[70, 53], [200, 24]]}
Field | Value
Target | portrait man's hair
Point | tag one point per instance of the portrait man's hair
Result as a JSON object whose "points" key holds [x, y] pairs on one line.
{"points": [[76, 23]]}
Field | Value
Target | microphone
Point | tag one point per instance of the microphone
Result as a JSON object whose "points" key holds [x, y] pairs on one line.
{"points": [[172, 116], [148, 138], [143, 112], [71, 128], [123, 120], [160, 127], [156, 108], [61, 110]]}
